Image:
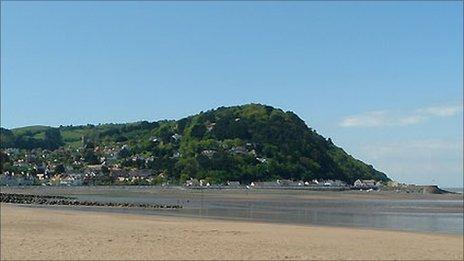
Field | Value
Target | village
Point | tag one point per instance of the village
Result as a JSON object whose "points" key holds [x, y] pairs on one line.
{"points": [[116, 164], [48, 168]]}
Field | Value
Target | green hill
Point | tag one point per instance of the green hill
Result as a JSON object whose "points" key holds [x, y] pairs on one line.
{"points": [[247, 143]]}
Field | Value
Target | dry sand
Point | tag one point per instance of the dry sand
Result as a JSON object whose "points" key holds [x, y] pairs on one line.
{"points": [[38, 233]]}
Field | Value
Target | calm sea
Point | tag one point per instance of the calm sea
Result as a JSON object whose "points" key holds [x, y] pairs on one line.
{"points": [[455, 189], [432, 213]]}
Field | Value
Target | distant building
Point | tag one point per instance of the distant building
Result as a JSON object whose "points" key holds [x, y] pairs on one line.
{"points": [[334, 183], [71, 180], [365, 184], [142, 174], [339, 183], [208, 153], [393, 184], [204, 183], [210, 126], [233, 183], [120, 175], [238, 150], [192, 183], [328, 183], [176, 155], [264, 184], [8, 179], [176, 137]]}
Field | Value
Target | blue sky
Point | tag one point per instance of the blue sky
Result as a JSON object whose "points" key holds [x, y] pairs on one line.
{"points": [[384, 80]]}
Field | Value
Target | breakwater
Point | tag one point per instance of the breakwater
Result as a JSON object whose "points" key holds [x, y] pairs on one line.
{"points": [[70, 201]]}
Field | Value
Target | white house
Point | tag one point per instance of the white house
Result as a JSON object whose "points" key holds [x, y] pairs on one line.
{"points": [[233, 183], [368, 183]]}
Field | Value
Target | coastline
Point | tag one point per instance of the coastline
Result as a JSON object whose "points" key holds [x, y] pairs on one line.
{"points": [[437, 213], [41, 233]]}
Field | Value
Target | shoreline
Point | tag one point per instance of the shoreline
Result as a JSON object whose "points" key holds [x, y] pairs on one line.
{"points": [[44, 233], [163, 213], [382, 194], [381, 210]]}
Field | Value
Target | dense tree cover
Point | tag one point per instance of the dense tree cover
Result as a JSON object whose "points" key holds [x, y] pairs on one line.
{"points": [[246, 143], [49, 138]]}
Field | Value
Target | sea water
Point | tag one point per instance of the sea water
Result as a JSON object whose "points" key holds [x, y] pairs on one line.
{"points": [[434, 213]]}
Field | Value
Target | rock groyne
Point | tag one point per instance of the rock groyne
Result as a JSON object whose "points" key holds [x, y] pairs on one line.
{"points": [[69, 201]]}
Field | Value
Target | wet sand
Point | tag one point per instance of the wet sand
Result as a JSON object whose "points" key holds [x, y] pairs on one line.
{"points": [[50, 234], [356, 209]]}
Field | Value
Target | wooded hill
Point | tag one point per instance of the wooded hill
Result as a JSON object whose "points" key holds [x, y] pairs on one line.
{"points": [[251, 142]]}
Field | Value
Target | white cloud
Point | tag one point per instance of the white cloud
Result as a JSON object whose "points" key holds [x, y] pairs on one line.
{"points": [[418, 161], [413, 148], [442, 111], [399, 118]]}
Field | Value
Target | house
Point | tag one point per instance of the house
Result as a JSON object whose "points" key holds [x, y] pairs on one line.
{"points": [[264, 184], [239, 150], [120, 175], [365, 184], [204, 183], [233, 183], [175, 155], [208, 153], [328, 183], [289, 183], [92, 169], [55, 179], [71, 180], [176, 137], [210, 126], [142, 174], [7, 179], [284, 182], [369, 182], [393, 184], [339, 183], [192, 183]]}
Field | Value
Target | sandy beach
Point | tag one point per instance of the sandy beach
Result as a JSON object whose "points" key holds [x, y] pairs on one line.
{"points": [[49, 234]]}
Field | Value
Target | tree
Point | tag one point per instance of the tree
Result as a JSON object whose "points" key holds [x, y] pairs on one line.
{"points": [[165, 133], [7, 138], [4, 158], [188, 167], [181, 124], [105, 170], [198, 130], [184, 177], [123, 153], [59, 169], [90, 157], [53, 139]]}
